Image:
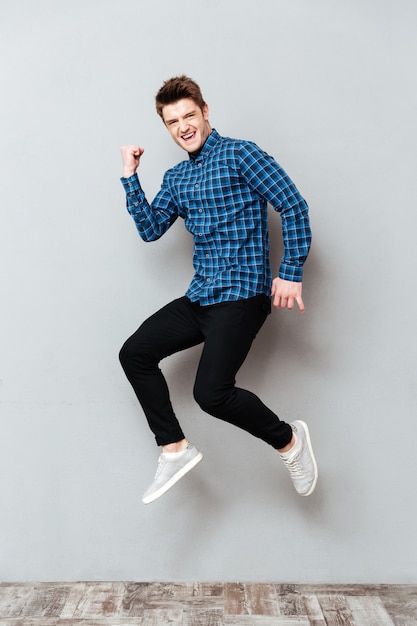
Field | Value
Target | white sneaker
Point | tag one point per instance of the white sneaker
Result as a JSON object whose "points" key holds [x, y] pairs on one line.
{"points": [[300, 460], [171, 467]]}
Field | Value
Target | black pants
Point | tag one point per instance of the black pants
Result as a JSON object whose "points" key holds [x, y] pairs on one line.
{"points": [[227, 331]]}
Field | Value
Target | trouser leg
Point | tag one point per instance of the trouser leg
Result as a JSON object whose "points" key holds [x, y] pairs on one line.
{"points": [[229, 330], [170, 330]]}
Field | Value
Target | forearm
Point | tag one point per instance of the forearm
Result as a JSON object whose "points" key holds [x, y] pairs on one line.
{"points": [[296, 234], [151, 221]]}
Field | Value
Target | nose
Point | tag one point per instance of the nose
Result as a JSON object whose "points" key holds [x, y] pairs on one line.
{"points": [[183, 125]]}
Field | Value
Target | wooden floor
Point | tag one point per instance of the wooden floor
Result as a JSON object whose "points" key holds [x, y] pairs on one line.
{"points": [[206, 604]]}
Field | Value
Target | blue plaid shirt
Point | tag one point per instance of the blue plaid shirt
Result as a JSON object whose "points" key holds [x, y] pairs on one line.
{"points": [[222, 196]]}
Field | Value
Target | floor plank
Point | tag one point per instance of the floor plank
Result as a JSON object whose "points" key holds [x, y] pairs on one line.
{"points": [[205, 604], [401, 604], [134, 599], [291, 601], [251, 599], [97, 600], [368, 611], [265, 620], [162, 617], [313, 609], [335, 610], [46, 601], [13, 598], [195, 617]]}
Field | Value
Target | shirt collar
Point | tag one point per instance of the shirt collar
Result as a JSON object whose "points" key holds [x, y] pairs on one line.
{"points": [[209, 144]]}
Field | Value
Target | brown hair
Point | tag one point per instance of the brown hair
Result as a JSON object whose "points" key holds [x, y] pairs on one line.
{"points": [[177, 88]]}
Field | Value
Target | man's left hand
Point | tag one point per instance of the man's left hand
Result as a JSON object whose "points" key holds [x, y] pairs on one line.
{"points": [[285, 292]]}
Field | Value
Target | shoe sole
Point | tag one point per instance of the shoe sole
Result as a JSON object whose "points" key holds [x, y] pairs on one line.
{"points": [[174, 479], [310, 448]]}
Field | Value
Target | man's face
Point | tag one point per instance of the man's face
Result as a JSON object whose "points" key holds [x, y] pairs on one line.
{"points": [[187, 123]]}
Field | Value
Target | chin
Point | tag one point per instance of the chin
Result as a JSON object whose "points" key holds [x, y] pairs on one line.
{"points": [[192, 148]]}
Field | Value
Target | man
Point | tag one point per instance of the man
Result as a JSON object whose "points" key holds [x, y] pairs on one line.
{"points": [[221, 192]]}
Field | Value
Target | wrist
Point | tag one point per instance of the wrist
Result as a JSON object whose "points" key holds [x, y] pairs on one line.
{"points": [[127, 173]]}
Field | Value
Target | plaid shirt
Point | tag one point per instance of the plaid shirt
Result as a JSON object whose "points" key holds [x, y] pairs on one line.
{"points": [[222, 196]]}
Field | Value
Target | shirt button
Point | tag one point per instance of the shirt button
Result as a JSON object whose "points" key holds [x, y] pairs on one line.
{"points": [[207, 280], [200, 234], [200, 210], [207, 256], [199, 164], [129, 184], [136, 204], [196, 185]]}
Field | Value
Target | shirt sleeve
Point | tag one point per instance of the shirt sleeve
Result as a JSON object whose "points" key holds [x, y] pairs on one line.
{"points": [[264, 175], [151, 220]]}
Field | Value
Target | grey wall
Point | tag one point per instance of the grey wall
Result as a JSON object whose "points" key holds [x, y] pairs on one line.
{"points": [[329, 88]]}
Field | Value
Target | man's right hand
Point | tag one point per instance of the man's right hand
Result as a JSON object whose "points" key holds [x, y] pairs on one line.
{"points": [[130, 157]]}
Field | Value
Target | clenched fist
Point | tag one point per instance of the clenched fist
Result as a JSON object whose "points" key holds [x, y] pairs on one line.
{"points": [[130, 157]]}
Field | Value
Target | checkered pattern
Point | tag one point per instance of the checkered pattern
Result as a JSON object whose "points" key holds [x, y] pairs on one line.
{"points": [[222, 196]]}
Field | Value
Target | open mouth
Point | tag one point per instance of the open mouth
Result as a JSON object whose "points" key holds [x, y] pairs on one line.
{"points": [[188, 136]]}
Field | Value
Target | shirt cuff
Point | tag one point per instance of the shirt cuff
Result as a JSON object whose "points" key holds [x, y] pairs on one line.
{"points": [[131, 184], [291, 272]]}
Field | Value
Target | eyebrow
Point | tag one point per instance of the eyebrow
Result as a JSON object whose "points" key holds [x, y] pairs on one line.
{"points": [[174, 119]]}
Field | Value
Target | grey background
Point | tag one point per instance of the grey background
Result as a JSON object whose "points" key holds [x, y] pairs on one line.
{"points": [[328, 88]]}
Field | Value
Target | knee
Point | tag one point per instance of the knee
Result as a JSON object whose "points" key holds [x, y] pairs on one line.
{"points": [[125, 354], [132, 353], [203, 399], [210, 398]]}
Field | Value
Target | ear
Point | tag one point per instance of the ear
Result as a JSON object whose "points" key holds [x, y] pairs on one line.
{"points": [[206, 112]]}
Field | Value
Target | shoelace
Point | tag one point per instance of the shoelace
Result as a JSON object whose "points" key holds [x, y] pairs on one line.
{"points": [[161, 462], [294, 467]]}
